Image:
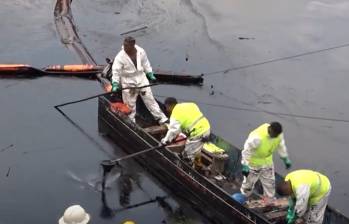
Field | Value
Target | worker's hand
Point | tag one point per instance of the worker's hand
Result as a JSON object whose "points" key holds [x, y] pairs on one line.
{"points": [[107, 87], [151, 76], [245, 170], [115, 87], [164, 141], [287, 162], [291, 216]]}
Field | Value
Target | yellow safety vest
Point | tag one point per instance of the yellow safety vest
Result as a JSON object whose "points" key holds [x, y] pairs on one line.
{"points": [[192, 121], [319, 184], [263, 154]]}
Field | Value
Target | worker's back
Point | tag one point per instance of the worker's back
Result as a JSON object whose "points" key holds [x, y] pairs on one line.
{"points": [[319, 184], [191, 119]]}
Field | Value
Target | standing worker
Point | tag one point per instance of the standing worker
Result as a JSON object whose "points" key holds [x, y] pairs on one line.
{"points": [[309, 192], [257, 158], [131, 68], [186, 118]]}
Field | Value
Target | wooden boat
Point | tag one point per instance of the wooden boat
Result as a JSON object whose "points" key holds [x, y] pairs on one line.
{"points": [[207, 193]]}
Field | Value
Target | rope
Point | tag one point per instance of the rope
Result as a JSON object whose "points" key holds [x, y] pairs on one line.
{"points": [[94, 141], [220, 72], [268, 112], [102, 94]]}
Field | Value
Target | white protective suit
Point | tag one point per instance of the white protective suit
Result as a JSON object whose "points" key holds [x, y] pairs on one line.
{"points": [[265, 173], [192, 146], [312, 214], [127, 75]]}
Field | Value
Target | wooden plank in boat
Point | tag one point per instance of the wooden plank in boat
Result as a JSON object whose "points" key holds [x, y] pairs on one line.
{"points": [[155, 130], [276, 216], [262, 206]]}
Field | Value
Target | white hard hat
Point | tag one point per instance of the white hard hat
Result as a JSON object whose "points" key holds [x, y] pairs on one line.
{"points": [[129, 222], [75, 214]]}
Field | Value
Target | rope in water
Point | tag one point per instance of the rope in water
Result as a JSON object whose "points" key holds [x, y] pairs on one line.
{"points": [[221, 72]]}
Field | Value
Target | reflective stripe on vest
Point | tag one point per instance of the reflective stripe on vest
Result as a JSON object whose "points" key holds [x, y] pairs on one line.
{"points": [[191, 127], [192, 121], [319, 184], [263, 154]]}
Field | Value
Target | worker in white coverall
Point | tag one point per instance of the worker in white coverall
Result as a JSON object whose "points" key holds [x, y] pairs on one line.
{"points": [[131, 68], [309, 192], [257, 158], [188, 119]]}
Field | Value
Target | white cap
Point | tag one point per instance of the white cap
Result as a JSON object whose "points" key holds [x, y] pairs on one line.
{"points": [[75, 214]]}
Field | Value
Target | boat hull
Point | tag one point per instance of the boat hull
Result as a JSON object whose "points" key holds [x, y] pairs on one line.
{"points": [[207, 197]]}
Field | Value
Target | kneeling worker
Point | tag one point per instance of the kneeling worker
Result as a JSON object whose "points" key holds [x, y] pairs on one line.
{"points": [[309, 192], [257, 158], [188, 119]]}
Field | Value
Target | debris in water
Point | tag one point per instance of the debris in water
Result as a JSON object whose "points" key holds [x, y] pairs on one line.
{"points": [[8, 172], [263, 102], [246, 38], [212, 91], [135, 30], [4, 149], [116, 13]]}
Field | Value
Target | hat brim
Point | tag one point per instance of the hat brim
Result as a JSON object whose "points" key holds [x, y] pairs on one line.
{"points": [[85, 221]]}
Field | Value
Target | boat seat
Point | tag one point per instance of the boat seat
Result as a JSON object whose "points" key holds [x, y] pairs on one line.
{"points": [[156, 130], [214, 158]]}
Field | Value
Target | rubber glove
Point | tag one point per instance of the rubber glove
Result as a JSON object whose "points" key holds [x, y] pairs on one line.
{"points": [[151, 76], [291, 216], [245, 170], [291, 213], [164, 141], [287, 162], [115, 86]]}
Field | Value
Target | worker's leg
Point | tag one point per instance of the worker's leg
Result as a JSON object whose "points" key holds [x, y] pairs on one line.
{"points": [[249, 182], [315, 214], [268, 181], [152, 105], [129, 97], [193, 147]]}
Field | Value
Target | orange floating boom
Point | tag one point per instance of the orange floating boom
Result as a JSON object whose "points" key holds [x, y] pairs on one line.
{"points": [[18, 70], [26, 71], [12, 67], [74, 68]]}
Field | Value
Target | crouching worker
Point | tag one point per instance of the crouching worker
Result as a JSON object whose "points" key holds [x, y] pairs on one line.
{"points": [[309, 192], [257, 158], [188, 119]]}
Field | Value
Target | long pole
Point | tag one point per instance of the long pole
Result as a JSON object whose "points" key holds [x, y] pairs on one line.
{"points": [[102, 94], [111, 163]]}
